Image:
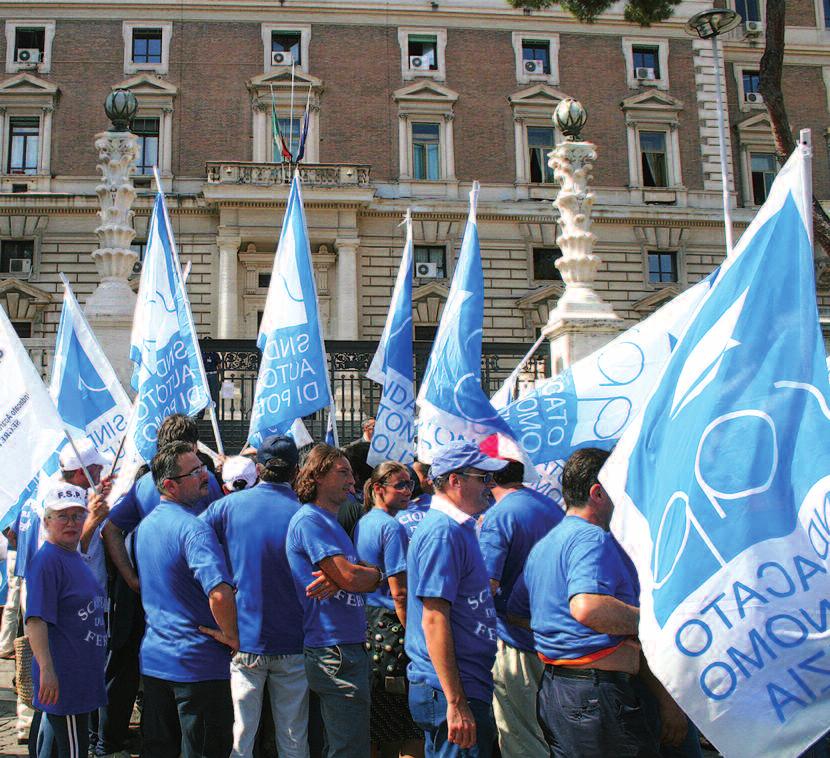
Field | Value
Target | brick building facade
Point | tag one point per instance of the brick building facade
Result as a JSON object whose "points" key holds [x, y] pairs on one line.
{"points": [[387, 132]]}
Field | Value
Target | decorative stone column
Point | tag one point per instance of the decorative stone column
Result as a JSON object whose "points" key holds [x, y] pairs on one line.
{"points": [[346, 301], [582, 321], [110, 307], [227, 326]]}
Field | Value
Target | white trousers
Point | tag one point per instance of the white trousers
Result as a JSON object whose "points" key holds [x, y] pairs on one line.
{"points": [[8, 626], [288, 691]]}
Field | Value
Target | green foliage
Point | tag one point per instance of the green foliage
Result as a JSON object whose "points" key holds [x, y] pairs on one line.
{"points": [[643, 12]]}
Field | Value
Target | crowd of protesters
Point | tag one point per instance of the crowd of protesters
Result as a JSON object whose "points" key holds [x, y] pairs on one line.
{"points": [[442, 610]]}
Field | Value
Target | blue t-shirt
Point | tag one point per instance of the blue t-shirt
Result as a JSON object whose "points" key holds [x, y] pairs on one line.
{"points": [[138, 501], [444, 561], [252, 526], [62, 592], [179, 562], [27, 529], [508, 532], [381, 541], [575, 558], [315, 534], [414, 514]]}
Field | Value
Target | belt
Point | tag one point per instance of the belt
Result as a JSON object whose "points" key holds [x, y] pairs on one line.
{"points": [[595, 675]]}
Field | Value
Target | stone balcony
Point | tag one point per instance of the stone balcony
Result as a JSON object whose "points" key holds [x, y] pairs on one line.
{"points": [[338, 182]]}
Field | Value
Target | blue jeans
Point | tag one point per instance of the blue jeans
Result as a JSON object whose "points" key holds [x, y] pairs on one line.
{"points": [[428, 707], [63, 736], [585, 718], [339, 675]]}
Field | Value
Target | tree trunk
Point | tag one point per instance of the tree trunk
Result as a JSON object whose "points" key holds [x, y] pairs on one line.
{"points": [[772, 64]]}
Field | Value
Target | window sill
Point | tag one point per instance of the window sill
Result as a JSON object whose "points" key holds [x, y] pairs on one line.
{"points": [[35, 182], [411, 74]]}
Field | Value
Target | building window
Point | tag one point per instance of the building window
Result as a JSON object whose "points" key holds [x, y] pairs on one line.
{"points": [[26, 40], [433, 259], [147, 45], [423, 52], [539, 51], [646, 62], [645, 57], [748, 10], [662, 267], [29, 45], [426, 149], [425, 333], [544, 264], [24, 145], [827, 14], [287, 42], [653, 159], [540, 141], [23, 329], [763, 167], [16, 256], [291, 130], [147, 131], [263, 281], [751, 82]]}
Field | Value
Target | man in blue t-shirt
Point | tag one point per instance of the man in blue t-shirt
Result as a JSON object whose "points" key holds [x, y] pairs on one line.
{"points": [[126, 615], [509, 529], [582, 594], [451, 630], [188, 598], [252, 526], [330, 584]]}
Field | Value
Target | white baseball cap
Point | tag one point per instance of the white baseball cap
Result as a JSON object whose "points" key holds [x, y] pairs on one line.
{"points": [[239, 468], [87, 455], [61, 496]]}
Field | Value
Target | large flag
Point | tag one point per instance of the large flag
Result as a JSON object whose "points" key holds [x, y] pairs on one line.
{"points": [[86, 391], [451, 401], [722, 493], [592, 402], [293, 379], [394, 437], [30, 428], [168, 376]]}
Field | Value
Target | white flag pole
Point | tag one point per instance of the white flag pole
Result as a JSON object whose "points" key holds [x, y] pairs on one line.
{"points": [[214, 422], [805, 143]]}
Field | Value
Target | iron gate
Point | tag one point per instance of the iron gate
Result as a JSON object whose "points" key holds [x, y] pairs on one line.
{"points": [[232, 367]]}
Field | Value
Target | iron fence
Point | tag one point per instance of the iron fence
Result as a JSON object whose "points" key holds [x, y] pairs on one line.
{"points": [[232, 367]]}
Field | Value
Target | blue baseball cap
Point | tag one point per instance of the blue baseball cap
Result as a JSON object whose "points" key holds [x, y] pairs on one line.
{"points": [[459, 455], [278, 446]]}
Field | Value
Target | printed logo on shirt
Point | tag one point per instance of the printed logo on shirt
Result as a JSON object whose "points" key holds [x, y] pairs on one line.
{"points": [[350, 598], [482, 604], [98, 635]]}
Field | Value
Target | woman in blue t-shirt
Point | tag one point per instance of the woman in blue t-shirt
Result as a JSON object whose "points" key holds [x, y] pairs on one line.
{"points": [[380, 540], [65, 626]]}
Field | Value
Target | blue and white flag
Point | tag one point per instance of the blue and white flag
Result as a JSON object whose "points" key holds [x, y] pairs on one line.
{"points": [[293, 378], [168, 376], [330, 430], [30, 429], [86, 391], [722, 493], [451, 402], [394, 436], [592, 402]]}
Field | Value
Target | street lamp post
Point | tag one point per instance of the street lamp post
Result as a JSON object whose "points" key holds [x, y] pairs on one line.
{"points": [[709, 25]]}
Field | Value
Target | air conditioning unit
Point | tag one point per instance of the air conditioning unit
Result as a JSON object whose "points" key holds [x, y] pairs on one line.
{"points": [[281, 58], [28, 55], [756, 98], [426, 270], [534, 67], [20, 266], [419, 62], [642, 73], [754, 28]]}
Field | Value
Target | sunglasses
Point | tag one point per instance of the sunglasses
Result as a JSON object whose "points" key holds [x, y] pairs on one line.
{"points": [[194, 473], [407, 484], [485, 477]]}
